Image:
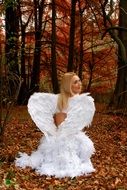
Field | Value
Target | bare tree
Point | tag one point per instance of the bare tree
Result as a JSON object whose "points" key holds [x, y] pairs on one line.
{"points": [[120, 93], [53, 51], [119, 98], [12, 29], [81, 11], [22, 98], [38, 16], [70, 65]]}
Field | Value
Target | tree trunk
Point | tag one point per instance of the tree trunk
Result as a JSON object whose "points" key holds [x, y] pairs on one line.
{"points": [[81, 42], [11, 46], [53, 51], [70, 65], [24, 90], [119, 99], [35, 75]]}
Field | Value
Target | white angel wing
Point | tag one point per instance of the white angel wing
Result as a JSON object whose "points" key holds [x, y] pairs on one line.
{"points": [[80, 114], [41, 107]]}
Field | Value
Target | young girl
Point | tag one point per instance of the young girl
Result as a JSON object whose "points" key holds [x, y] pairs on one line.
{"points": [[64, 150]]}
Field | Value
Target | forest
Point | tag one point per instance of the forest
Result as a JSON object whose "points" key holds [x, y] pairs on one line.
{"points": [[40, 40]]}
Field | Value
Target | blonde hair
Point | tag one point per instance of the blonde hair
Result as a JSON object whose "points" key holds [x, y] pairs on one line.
{"points": [[65, 90]]}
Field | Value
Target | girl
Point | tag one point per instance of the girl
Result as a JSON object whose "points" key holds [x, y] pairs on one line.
{"points": [[64, 150]]}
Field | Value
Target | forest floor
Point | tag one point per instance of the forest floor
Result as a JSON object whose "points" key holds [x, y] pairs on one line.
{"points": [[109, 134]]}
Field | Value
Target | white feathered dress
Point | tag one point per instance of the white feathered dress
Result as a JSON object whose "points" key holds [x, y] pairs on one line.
{"points": [[64, 151]]}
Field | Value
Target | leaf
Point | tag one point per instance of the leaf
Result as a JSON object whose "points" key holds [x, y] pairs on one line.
{"points": [[50, 187], [8, 182]]}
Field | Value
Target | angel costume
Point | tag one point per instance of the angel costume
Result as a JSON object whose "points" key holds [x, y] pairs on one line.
{"points": [[64, 151]]}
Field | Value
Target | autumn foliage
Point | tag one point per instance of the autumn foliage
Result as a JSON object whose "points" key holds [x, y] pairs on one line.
{"points": [[94, 55], [108, 132]]}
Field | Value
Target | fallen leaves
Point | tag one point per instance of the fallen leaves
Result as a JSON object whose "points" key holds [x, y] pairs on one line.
{"points": [[109, 134]]}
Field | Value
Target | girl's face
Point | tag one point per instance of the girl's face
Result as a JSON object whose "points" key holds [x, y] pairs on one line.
{"points": [[76, 85]]}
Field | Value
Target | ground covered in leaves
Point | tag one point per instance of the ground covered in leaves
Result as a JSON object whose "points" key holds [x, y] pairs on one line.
{"points": [[109, 134]]}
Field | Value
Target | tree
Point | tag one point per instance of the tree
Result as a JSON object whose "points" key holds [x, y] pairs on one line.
{"points": [[22, 98], [38, 16], [70, 65], [81, 11], [53, 51], [11, 48], [12, 29], [120, 92], [119, 98]]}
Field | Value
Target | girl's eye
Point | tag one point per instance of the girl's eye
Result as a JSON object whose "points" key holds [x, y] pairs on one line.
{"points": [[77, 81]]}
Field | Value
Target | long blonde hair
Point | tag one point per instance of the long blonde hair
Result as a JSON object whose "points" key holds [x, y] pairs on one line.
{"points": [[65, 90]]}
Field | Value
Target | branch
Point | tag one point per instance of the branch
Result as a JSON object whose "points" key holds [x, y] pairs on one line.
{"points": [[113, 28]]}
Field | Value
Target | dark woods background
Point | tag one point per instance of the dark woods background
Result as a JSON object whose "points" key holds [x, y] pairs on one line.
{"points": [[42, 39]]}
